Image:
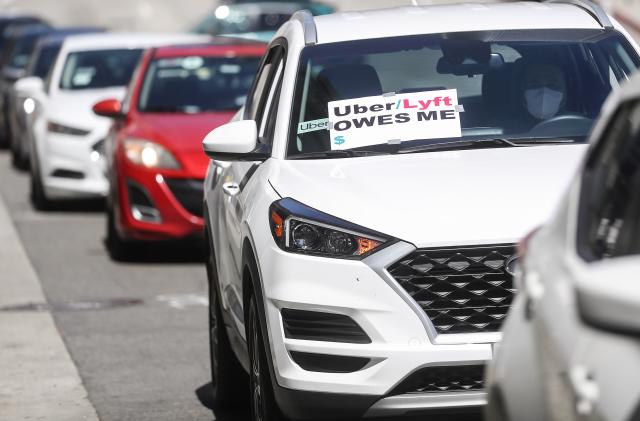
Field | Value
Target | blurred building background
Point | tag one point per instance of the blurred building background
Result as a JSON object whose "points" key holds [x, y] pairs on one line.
{"points": [[143, 15], [177, 15]]}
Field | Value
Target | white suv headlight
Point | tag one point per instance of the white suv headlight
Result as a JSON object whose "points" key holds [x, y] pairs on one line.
{"points": [[149, 154], [298, 228]]}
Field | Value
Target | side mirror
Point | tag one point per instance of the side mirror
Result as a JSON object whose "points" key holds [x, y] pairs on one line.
{"points": [[111, 108], [235, 141], [608, 297], [29, 85]]}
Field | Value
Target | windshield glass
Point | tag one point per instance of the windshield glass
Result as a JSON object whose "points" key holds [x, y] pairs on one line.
{"points": [[462, 86], [21, 51], [43, 60], [99, 69], [197, 84]]}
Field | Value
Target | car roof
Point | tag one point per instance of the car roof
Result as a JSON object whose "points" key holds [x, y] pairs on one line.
{"points": [[108, 40], [220, 46], [415, 20], [58, 35], [30, 29]]}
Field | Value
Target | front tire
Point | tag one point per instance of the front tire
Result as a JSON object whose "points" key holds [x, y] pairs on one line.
{"points": [[119, 250], [228, 379], [263, 403], [39, 198]]}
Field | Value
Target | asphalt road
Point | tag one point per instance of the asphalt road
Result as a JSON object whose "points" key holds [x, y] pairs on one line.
{"points": [[137, 332]]}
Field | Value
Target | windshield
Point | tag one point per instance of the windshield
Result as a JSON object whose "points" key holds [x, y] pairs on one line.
{"points": [[99, 69], [197, 84], [21, 51], [421, 89], [44, 59]]}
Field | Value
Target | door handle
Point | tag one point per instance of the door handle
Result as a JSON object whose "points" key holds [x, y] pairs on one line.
{"points": [[231, 189]]}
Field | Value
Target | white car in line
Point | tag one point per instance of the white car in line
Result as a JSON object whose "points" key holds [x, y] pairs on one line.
{"points": [[574, 330], [69, 137], [362, 209]]}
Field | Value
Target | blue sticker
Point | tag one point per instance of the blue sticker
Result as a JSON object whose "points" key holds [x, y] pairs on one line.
{"points": [[339, 140]]}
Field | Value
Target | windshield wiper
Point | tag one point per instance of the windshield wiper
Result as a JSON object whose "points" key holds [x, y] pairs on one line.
{"points": [[461, 144], [164, 109], [343, 153]]}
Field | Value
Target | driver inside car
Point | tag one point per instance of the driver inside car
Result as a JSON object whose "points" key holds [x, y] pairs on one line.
{"points": [[544, 90]]}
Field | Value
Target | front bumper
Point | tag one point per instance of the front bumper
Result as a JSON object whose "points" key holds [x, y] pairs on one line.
{"points": [[402, 340], [73, 166], [155, 205]]}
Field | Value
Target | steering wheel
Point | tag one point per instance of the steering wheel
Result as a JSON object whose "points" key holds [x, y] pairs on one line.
{"points": [[562, 125]]}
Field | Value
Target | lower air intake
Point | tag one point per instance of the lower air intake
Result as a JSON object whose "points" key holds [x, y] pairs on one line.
{"points": [[319, 326], [455, 378]]}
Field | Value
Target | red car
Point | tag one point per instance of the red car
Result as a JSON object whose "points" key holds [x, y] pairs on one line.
{"points": [[155, 161]]}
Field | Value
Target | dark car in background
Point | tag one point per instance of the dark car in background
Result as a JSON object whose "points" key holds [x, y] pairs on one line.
{"points": [[25, 93], [8, 23], [257, 20], [15, 57]]}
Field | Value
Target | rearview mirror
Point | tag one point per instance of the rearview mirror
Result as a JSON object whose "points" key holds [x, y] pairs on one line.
{"points": [[608, 297], [470, 67], [111, 108], [235, 141], [29, 85]]}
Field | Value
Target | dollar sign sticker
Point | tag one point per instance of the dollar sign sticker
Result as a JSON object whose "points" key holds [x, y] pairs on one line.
{"points": [[338, 140]]}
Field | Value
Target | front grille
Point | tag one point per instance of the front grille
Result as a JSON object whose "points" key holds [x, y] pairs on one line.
{"points": [[61, 173], [189, 193], [462, 289], [454, 378]]}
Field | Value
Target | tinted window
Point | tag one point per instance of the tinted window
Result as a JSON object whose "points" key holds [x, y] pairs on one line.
{"points": [[196, 84], [21, 51], [44, 60], [610, 202], [99, 69], [511, 84]]}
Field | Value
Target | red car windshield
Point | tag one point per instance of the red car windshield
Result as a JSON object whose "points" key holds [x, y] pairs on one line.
{"points": [[196, 84]]}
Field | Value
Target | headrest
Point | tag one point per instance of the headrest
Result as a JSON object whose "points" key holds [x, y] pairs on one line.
{"points": [[350, 81]]}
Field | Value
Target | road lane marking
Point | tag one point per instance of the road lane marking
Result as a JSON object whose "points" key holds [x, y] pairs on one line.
{"points": [[182, 301]]}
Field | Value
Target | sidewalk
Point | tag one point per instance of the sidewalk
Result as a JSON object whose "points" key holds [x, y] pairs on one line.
{"points": [[38, 380]]}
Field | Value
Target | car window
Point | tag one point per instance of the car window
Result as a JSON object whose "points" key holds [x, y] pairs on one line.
{"points": [[99, 69], [21, 51], [265, 86], [510, 84], [268, 117], [197, 84], [610, 199], [43, 59]]}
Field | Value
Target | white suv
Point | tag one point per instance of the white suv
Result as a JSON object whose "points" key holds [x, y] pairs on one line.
{"points": [[362, 208]]}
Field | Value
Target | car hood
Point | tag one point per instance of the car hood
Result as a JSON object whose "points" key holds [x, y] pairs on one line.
{"points": [[75, 108], [180, 132], [485, 196]]}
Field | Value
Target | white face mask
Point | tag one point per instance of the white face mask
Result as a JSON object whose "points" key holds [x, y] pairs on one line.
{"points": [[543, 103]]}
